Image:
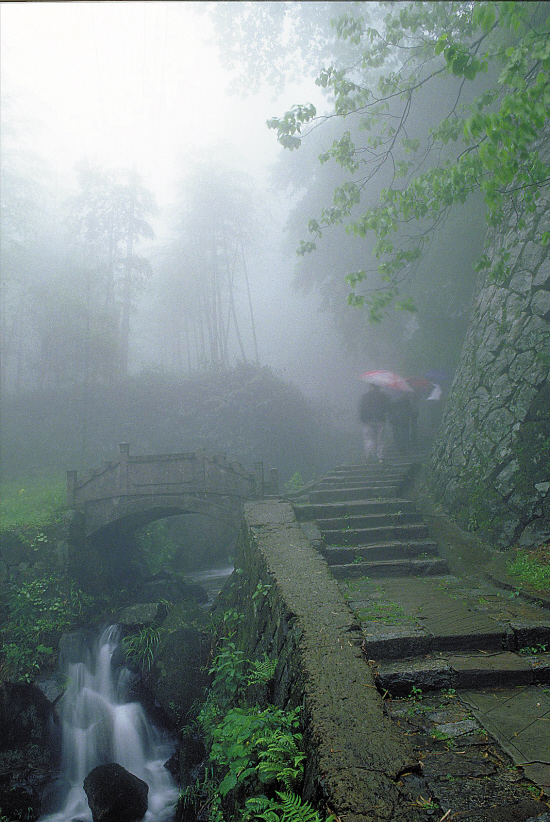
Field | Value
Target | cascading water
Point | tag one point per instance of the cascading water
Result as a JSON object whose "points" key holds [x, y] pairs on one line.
{"points": [[100, 725]]}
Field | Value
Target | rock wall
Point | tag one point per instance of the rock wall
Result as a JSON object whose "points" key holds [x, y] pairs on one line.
{"points": [[490, 464], [295, 613]]}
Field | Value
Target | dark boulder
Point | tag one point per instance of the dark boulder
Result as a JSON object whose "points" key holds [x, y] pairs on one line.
{"points": [[115, 795]]}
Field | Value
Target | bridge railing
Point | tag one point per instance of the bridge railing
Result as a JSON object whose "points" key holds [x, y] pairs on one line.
{"points": [[169, 473]]}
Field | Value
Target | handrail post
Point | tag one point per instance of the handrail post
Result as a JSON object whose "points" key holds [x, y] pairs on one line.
{"points": [[123, 473]]}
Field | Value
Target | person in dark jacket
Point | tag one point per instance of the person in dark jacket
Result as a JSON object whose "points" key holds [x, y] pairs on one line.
{"points": [[374, 407]]}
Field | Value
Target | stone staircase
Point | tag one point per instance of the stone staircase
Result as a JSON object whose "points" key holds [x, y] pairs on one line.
{"points": [[423, 627], [460, 662], [358, 519]]}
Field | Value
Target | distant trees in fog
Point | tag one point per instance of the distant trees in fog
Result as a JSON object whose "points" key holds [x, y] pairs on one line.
{"points": [[70, 274], [206, 309]]}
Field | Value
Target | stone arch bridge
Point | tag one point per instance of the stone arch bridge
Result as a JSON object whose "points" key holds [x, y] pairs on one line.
{"points": [[132, 491]]}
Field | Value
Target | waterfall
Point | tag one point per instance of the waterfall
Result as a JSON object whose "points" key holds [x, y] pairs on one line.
{"points": [[100, 725]]}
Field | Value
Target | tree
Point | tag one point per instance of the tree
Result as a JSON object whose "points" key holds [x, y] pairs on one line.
{"points": [[106, 220], [28, 247], [492, 61], [410, 342], [209, 315], [273, 42]]}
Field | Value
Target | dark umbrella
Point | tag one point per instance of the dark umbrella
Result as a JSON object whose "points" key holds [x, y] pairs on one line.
{"points": [[420, 385], [437, 376]]}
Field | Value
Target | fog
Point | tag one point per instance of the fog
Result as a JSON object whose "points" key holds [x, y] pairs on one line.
{"points": [[141, 94]]}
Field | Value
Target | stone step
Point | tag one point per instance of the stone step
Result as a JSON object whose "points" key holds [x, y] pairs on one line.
{"points": [[353, 494], [380, 569], [359, 482], [366, 471], [391, 534], [389, 464], [338, 510], [474, 670], [403, 618], [369, 520], [385, 551]]}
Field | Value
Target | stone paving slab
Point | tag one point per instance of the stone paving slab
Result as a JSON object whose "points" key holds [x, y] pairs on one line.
{"points": [[445, 608], [519, 719]]}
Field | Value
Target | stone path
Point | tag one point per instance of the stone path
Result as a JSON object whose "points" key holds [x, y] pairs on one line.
{"points": [[456, 656]]}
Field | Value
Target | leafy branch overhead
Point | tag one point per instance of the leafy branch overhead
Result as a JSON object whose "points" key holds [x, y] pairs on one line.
{"points": [[480, 72]]}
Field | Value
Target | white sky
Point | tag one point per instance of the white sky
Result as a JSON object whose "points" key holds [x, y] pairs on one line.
{"points": [[130, 82]]}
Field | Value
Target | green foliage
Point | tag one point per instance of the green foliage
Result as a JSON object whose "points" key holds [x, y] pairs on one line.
{"points": [[295, 483], [38, 612], [157, 545], [261, 671], [254, 752], [532, 568], [485, 140], [249, 744], [533, 650], [30, 504], [140, 647]]}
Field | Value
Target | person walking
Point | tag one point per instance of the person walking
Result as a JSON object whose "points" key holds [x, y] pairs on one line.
{"points": [[374, 407]]}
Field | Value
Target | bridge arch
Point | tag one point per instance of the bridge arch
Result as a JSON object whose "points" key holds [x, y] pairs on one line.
{"points": [[114, 501]]}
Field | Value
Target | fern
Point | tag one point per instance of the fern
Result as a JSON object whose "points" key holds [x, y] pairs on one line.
{"points": [[281, 761], [289, 807], [260, 807], [261, 671]]}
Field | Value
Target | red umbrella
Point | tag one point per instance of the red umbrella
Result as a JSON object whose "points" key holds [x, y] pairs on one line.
{"points": [[386, 379]]}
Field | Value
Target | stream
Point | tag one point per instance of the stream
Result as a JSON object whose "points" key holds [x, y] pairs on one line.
{"points": [[99, 725]]}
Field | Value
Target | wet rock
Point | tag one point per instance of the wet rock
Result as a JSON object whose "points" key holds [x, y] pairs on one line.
{"points": [[26, 728], [115, 795], [18, 800], [143, 614]]}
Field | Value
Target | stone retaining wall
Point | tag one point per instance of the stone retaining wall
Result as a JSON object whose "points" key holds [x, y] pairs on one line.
{"points": [[295, 612], [491, 461]]}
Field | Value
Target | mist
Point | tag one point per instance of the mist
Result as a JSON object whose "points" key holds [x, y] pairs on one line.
{"points": [[147, 109]]}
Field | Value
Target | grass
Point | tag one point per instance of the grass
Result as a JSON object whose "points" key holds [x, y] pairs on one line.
{"points": [[532, 568], [389, 613], [32, 502]]}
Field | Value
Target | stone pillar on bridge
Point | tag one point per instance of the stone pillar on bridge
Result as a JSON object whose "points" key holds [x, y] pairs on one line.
{"points": [[273, 482]]}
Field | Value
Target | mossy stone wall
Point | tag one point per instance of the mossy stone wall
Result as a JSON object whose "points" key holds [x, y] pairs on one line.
{"points": [[295, 613], [491, 461]]}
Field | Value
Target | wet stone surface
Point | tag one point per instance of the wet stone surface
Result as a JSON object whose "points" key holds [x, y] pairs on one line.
{"points": [[463, 774]]}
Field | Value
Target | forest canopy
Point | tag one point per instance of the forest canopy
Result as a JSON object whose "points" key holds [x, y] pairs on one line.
{"points": [[434, 102]]}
